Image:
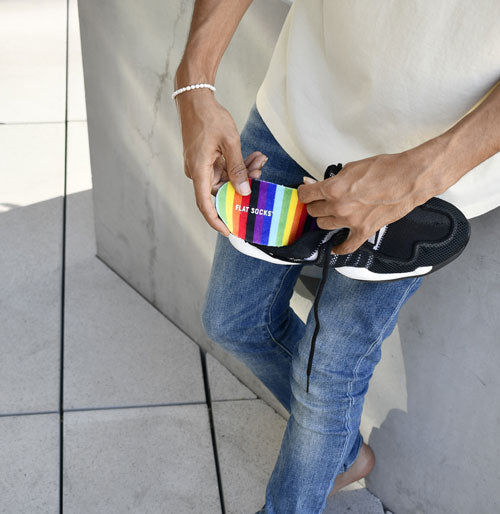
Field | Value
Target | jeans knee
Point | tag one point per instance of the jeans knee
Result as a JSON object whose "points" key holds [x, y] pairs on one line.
{"points": [[231, 329], [213, 324]]}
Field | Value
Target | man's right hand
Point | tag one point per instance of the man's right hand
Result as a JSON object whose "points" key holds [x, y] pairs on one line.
{"points": [[212, 151]]}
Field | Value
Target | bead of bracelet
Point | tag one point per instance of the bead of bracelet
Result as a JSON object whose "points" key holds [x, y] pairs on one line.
{"points": [[192, 86]]}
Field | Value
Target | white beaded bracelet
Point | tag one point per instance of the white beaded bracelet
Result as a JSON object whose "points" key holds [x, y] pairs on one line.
{"points": [[192, 86]]}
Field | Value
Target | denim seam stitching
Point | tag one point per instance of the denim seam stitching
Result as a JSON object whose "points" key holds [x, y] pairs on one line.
{"points": [[351, 399], [277, 343], [270, 319], [344, 467]]}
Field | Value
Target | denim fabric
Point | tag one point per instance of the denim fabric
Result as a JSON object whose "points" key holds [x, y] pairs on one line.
{"points": [[247, 312]]}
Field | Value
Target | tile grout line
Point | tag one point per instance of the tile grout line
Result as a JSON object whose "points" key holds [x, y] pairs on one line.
{"points": [[34, 413], [138, 406], [55, 122], [118, 407], [63, 275], [206, 383], [222, 400]]}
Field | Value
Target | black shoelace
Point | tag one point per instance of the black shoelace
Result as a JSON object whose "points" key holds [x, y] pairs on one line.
{"points": [[326, 266], [331, 170]]}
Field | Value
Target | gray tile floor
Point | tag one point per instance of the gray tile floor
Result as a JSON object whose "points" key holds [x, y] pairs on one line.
{"points": [[105, 406]]}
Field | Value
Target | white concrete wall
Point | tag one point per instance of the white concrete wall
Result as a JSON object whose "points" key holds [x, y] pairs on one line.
{"points": [[433, 411], [148, 227]]}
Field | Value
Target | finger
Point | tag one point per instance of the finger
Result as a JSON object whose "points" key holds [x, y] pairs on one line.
{"points": [[309, 180], [216, 187], [255, 160], [255, 173], [220, 178], [220, 163], [354, 240], [310, 192], [202, 188], [236, 169], [328, 223], [319, 208], [254, 163], [223, 178]]}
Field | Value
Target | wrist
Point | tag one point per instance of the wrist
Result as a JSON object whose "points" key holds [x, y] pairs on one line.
{"points": [[436, 165], [190, 72], [188, 100]]}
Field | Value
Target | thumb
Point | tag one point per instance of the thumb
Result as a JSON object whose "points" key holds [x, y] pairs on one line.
{"points": [[353, 241], [236, 169]]}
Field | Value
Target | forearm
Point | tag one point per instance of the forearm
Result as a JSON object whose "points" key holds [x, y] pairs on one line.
{"points": [[449, 156], [213, 24]]}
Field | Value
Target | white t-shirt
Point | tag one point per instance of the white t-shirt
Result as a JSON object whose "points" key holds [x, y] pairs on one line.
{"points": [[349, 79]]}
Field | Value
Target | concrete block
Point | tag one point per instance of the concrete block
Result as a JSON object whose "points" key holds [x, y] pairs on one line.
{"points": [[33, 57], [223, 384], [29, 472], [119, 350], [148, 460], [76, 90], [353, 498], [80, 231], [30, 304], [32, 165], [79, 177]]}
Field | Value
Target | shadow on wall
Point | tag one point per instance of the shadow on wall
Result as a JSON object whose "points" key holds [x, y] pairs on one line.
{"points": [[449, 437]]}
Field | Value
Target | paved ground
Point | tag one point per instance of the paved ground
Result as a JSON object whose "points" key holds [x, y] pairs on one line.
{"points": [[99, 392]]}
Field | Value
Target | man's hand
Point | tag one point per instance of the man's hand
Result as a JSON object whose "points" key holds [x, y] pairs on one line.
{"points": [[366, 195], [212, 152]]}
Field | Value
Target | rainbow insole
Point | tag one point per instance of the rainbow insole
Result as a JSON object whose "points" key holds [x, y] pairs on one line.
{"points": [[271, 215]]}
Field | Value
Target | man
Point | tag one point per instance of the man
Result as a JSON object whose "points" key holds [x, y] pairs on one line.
{"points": [[405, 95]]}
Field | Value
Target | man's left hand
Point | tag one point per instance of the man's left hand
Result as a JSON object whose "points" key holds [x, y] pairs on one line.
{"points": [[368, 194]]}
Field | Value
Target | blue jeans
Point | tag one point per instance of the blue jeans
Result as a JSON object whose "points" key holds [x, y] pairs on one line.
{"points": [[247, 312]]}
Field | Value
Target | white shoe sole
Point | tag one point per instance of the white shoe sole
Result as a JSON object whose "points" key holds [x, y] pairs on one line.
{"points": [[348, 271], [242, 246], [367, 275]]}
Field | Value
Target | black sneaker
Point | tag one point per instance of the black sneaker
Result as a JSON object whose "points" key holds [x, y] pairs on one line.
{"points": [[423, 241], [426, 239]]}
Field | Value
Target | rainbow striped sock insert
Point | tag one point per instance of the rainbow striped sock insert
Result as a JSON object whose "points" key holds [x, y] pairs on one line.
{"points": [[270, 215]]}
